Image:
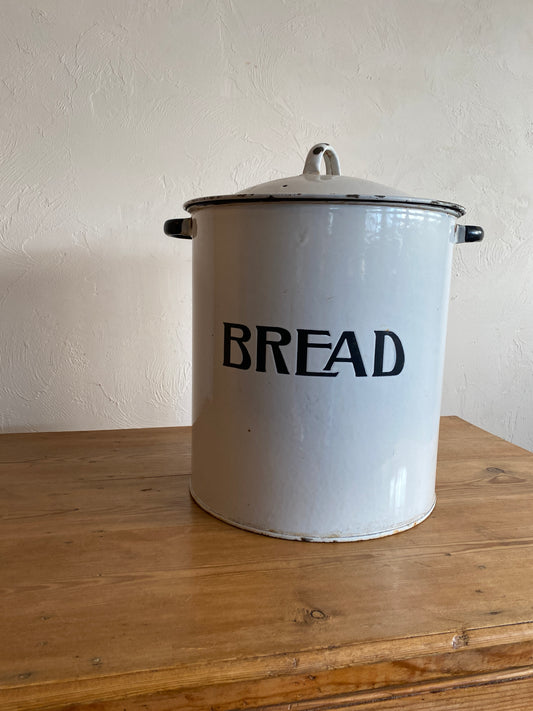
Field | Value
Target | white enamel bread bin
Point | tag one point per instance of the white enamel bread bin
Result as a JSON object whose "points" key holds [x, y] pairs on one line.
{"points": [[319, 306]]}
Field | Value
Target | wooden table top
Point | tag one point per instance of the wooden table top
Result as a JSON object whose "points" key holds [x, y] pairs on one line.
{"points": [[117, 592]]}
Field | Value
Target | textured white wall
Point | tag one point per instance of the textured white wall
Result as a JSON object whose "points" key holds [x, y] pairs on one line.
{"points": [[114, 112]]}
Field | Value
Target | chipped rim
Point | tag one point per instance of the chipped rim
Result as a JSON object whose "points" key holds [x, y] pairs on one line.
{"points": [[391, 201]]}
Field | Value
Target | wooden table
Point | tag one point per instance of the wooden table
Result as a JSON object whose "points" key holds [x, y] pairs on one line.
{"points": [[118, 593]]}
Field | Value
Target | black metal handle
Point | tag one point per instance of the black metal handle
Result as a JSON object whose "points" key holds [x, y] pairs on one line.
{"points": [[473, 233], [178, 227]]}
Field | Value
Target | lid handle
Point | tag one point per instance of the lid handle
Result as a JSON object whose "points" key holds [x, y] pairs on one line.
{"points": [[314, 158]]}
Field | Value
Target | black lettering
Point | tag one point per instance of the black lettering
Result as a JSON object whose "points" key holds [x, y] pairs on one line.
{"points": [[263, 342], [380, 348], [240, 341], [303, 347], [355, 358]]}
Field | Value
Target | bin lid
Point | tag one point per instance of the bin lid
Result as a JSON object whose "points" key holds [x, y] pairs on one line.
{"points": [[313, 186]]}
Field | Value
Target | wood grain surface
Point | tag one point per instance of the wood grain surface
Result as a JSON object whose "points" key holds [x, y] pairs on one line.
{"points": [[117, 592]]}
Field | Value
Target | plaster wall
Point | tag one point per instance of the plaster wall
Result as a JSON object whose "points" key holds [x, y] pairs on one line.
{"points": [[116, 111]]}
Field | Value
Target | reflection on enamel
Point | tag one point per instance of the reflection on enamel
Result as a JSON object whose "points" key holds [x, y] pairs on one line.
{"points": [[398, 486]]}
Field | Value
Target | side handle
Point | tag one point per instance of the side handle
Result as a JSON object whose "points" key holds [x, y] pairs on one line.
{"points": [[468, 233], [179, 227]]}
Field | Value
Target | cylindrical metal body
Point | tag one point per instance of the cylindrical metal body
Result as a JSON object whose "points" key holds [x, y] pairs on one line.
{"points": [[319, 333]]}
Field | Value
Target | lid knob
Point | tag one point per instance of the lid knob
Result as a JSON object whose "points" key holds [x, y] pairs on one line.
{"points": [[314, 158]]}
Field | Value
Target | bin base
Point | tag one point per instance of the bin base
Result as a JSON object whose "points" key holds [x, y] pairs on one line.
{"points": [[311, 539]]}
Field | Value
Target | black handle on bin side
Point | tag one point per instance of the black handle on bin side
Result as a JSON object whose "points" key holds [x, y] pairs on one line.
{"points": [[473, 233], [174, 228]]}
